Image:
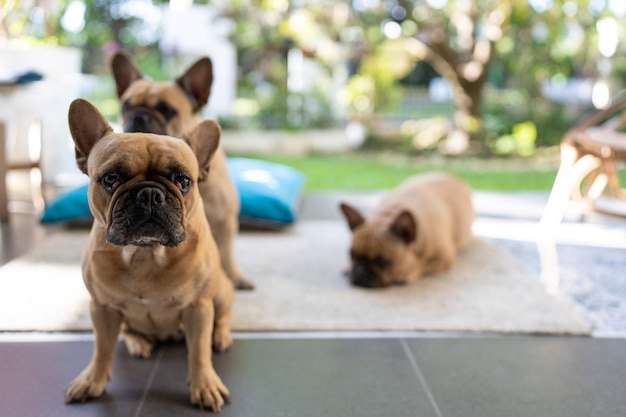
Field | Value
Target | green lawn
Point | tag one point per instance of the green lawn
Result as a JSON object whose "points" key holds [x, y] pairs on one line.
{"points": [[370, 172]]}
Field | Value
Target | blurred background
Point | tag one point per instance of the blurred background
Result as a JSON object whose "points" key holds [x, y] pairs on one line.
{"points": [[375, 89]]}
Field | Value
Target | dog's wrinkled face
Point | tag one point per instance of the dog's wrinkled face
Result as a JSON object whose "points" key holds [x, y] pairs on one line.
{"points": [[142, 185], [141, 199], [155, 107], [161, 107], [381, 254]]}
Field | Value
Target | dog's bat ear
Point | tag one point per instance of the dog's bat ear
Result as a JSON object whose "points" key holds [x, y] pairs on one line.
{"points": [[196, 82], [87, 126], [405, 227], [352, 215], [204, 139], [125, 72]]}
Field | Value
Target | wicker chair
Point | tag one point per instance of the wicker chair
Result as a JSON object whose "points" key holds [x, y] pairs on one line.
{"points": [[33, 161], [590, 154]]}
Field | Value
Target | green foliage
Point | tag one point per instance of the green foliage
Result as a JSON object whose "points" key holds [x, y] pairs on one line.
{"points": [[264, 34], [530, 47], [151, 64], [515, 124], [520, 142], [376, 87], [102, 94], [509, 117], [392, 141]]}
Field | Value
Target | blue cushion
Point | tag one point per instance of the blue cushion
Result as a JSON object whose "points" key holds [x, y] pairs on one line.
{"points": [[269, 192], [68, 206], [269, 195]]}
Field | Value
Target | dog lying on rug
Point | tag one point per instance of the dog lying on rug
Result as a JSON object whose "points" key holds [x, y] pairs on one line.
{"points": [[417, 228]]}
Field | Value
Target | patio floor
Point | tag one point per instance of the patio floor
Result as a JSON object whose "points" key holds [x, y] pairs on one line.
{"points": [[368, 374]]}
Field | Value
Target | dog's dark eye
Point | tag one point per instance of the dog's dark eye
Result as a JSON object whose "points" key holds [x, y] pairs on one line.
{"points": [[381, 262], [183, 182], [167, 112], [110, 182], [355, 257]]}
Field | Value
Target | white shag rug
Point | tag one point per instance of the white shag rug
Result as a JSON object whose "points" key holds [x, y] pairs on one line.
{"points": [[300, 287]]}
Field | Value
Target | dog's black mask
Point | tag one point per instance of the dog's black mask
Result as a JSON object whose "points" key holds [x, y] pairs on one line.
{"points": [[144, 120], [146, 214], [363, 275]]}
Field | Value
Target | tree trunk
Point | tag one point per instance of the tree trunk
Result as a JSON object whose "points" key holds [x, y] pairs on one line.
{"points": [[468, 123]]}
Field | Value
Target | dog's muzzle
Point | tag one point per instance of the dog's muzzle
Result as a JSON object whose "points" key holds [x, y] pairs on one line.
{"points": [[143, 120], [363, 276], [144, 216]]}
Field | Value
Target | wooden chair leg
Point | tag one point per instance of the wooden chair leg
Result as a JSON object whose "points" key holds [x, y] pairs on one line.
{"points": [[36, 173], [615, 189], [596, 187], [572, 171], [4, 199], [549, 261], [596, 176], [561, 189], [551, 218]]}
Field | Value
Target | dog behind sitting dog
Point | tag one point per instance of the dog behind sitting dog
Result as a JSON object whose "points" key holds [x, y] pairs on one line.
{"points": [[172, 108], [417, 228], [151, 266]]}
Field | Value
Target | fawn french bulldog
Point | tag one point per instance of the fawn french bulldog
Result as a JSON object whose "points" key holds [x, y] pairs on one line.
{"points": [[172, 108], [151, 265], [417, 228]]}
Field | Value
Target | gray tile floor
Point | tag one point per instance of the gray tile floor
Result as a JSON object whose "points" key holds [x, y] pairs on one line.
{"points": [[380, 374]]}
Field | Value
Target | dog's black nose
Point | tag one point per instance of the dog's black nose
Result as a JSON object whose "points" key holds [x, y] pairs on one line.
{"points": [[363, 276], [137, 122], [150, 197], [143, 120]]}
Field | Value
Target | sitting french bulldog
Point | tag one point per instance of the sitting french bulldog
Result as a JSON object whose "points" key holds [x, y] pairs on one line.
{"points": [[417, 228], [151, 265], [172, 108]]}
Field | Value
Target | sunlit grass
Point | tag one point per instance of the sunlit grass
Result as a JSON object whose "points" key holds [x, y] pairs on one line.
{"points": [[371, 172]]}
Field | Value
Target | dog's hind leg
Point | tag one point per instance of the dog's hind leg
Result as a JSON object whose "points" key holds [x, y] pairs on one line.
{"points": [[224, 234], [222, 339], [137, 343], [442, 261]]}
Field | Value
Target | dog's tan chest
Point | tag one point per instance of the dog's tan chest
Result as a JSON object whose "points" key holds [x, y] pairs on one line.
{"points": [[160, 318], [155, 310], [133, 254], [142, 294], [148, 290]]}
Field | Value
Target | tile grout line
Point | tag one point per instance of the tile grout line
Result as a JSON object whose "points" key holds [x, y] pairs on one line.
{"points": [[149, 382], [420, 376]]}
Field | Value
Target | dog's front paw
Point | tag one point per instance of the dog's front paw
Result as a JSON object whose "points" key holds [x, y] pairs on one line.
{"points": [[242, 284], [208, 391], [86, 385]]}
